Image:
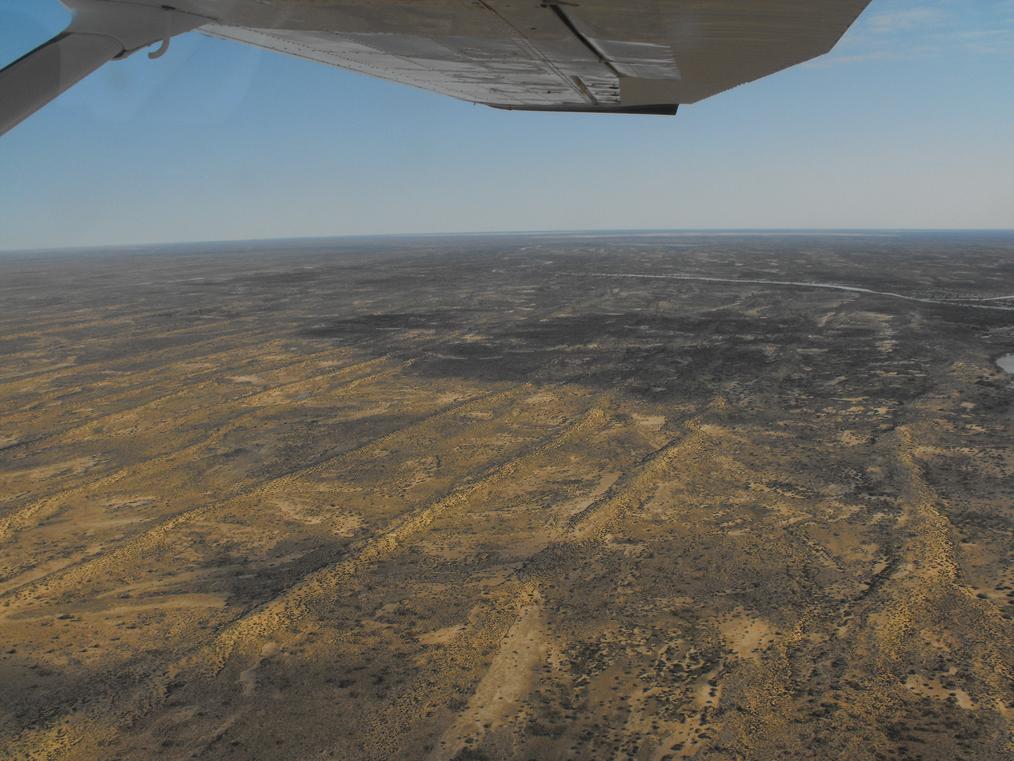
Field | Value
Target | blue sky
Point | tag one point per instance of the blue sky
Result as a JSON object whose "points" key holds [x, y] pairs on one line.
{"points": [[908, 123]]}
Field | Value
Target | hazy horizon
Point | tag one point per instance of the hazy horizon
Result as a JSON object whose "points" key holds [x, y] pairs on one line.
{"points": [[605, 232]]}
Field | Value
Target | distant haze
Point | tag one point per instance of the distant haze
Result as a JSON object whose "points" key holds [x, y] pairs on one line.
{"points": [[908, 123]]}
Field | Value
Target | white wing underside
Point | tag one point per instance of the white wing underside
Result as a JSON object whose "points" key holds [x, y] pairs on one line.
{"points": [[634, 56], [587, 54]]}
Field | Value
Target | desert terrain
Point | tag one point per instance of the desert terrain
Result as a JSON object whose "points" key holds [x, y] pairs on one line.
{"points": [[659, 496]]}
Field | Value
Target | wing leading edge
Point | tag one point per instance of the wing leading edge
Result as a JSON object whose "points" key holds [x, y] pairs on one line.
{"points": [[638, 56]]}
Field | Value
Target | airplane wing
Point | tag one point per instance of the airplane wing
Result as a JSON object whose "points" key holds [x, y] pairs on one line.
{"points": [[634, 56]]}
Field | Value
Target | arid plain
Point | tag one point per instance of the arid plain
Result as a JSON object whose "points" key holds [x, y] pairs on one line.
{"points": [[516, 497]]}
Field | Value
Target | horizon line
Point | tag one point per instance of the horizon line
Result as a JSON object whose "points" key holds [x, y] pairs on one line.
{"points": [[605, 231]]}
